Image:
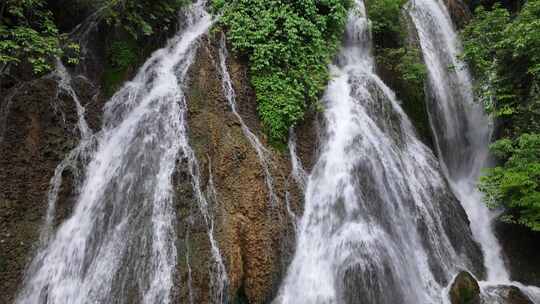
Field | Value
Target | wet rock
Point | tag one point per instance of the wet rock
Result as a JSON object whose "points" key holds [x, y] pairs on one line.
{"points": [[40, 128], [459, 12], [410, 93], [521, 246], [465, 289], [256, 238], [504, 294]]}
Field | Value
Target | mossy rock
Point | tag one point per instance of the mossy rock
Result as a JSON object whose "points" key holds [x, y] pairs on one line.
{"points": [[465, 289]]}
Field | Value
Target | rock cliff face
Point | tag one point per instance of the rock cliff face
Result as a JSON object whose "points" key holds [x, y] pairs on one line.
{"points": [[465, 290], [40, 128], [255, 237]]}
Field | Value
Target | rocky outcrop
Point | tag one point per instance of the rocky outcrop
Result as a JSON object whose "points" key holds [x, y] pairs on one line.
{"points": [[255, 237], [465, 289], [521, 246], [410, 93], [40, 128], [459, 12], [505, 294]]}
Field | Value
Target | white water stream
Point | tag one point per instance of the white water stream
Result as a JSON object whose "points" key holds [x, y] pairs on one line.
{"points": [[376, 223], [461, 128], [462, 131], [118, 246], [380, 224]]}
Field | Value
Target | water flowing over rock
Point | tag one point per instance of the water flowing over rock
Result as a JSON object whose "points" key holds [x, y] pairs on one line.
{"points": [[169, 192], [504, 294], [255, 236], [380, 224], [461, 129], [118, 245], [42, 127], [262, 152], [464, 289]]}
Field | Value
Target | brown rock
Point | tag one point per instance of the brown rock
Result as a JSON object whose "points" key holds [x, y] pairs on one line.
{"points": [[255, 237], [40, 128], [459, 12]]}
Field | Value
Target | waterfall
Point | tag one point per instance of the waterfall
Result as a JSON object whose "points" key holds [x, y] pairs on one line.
{"points": [[462, 134], [297, 170], [218, 280], [380, 224], [73, 159], [118, 246], [461, 129], [265, 157], [298, 175]]}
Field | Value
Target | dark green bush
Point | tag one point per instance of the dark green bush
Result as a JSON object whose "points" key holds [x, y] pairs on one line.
{"points": [[504, 54], [289, 44], [516, 184], [28, 34], [140, 17]]}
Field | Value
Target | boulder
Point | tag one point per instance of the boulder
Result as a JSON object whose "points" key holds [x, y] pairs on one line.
{"points": [[465, 289]]}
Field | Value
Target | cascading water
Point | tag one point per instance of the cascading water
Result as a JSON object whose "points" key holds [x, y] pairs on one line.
{"points": [[461, 129], [462, 132], [298, 175], [297, 170], [379, 219], [118, 246], [74, 158]]}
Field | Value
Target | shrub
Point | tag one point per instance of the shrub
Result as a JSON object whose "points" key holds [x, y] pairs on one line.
{"points": [[28, 34], [516, 184], [289, 44], [504, 54]]}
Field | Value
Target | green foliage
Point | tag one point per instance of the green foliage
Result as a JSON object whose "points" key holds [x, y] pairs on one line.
{"points": [[504, 54], [516, 184], [384, 16], [405, 62], [482, 36], [122, 54], [28, 34], [140, 18], [122, 57], [389, 36], [289, 44], [399, 61]]}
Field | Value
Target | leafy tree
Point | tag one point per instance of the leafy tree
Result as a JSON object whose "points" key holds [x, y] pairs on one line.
{"points": [[28, 33], [504, 54], [289, 44], [516, 184], [385, 21], [139, 18]]}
